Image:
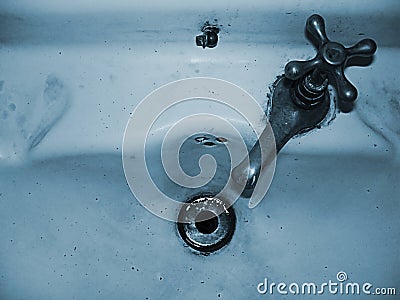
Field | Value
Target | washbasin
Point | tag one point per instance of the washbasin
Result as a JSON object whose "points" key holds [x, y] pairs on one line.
{"points": [[71, 227]]}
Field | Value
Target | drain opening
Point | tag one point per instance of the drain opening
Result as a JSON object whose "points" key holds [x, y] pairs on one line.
{"points": [[206, 224], [209, 144]]}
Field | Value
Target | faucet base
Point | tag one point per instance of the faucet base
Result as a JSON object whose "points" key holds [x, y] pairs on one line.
{"points": [[285, 117]]}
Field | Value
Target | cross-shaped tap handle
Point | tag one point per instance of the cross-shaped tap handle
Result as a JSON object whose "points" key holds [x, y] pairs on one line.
{"points": [[331, 59]]}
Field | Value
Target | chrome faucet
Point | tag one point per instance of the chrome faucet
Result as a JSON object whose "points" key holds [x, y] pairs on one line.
{"points": [[300, 98]]}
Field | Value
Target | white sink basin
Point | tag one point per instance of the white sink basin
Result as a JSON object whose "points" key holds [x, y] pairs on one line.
{"points": [[70, 226]]}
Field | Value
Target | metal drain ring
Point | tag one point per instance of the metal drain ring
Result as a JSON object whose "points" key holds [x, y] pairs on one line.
{"points": [[203, 226]]}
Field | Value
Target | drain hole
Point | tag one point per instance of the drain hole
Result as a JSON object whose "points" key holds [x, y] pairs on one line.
{"points": [[209, 144], [206, 222], [201, 139], [221, 140]]}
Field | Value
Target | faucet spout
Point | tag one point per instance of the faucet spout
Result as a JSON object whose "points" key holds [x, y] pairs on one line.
{"points": [[287, 119]]}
